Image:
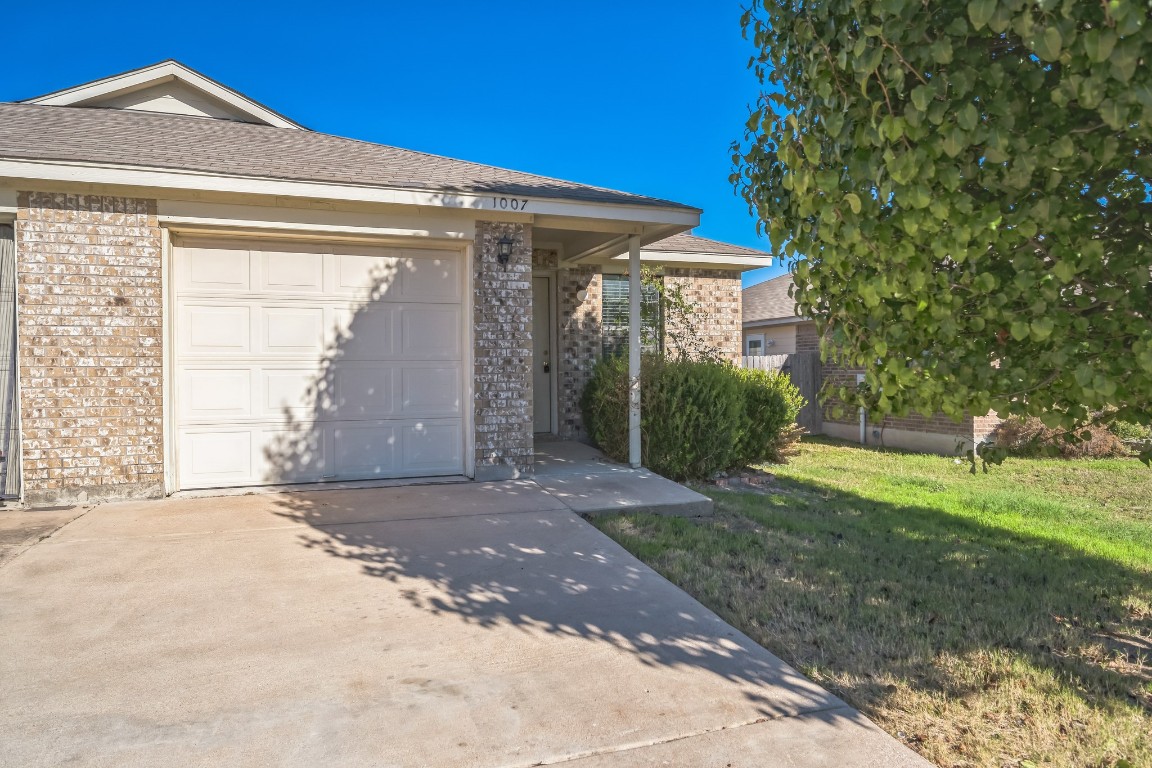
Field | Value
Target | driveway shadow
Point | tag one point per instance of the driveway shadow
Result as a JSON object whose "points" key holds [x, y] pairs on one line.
{"points": [[547, 573]]}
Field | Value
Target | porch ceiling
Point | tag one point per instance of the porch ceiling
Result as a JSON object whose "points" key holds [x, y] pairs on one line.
{"points": [[598, 244]]}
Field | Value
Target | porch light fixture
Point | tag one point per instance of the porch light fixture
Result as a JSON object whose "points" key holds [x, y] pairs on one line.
{"points": [[504, 250]]}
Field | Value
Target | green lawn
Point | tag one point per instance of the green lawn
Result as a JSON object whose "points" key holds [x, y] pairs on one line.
{"points": [[1002, 619]]}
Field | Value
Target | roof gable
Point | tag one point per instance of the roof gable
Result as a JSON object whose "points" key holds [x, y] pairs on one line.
{"points": [[168, 87]]}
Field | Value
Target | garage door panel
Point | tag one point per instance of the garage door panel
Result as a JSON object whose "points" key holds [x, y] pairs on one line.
{"points": [[366, 390], [370, 332], [366, 272], [292, 272], [291, 330], [429, 332], [216, 270], [430, 276], [216, 457], [366, 451], [297, 454], [431, 391], [209, 394], [215, 330], [431, 448], [288, 393]]}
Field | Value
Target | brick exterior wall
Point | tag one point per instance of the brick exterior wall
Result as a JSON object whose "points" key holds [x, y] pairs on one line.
{"points": [[716, 294], [502, 314], [90, 318]]}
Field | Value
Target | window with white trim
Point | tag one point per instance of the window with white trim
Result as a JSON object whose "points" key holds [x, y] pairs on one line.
{"points": [[614, 317]]}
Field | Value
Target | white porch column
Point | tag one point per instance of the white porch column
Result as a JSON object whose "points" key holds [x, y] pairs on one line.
{"points": [[634, 295]]}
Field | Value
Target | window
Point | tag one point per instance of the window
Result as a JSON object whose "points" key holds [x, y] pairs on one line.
{"points": [[614, 317], [754, 346]]}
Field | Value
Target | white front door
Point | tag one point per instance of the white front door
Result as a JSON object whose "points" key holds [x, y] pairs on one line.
{"points": [[303, 362], [542, 354]]}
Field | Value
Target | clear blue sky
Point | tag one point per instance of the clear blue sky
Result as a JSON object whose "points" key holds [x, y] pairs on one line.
{"points": [[630, 94]]}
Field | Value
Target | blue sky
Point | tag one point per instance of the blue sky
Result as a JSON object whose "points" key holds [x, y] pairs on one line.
{"points": [[635, 95]]}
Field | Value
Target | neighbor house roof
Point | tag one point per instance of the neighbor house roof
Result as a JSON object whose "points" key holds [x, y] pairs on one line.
{"points": [[689, 243], [35, 132], [768, 303]]}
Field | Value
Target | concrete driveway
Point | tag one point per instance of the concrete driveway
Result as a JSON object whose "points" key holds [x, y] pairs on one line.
{"points": [[454, 625]]}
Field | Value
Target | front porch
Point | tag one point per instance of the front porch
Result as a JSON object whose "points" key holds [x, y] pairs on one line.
{"points": [[589, 483]]}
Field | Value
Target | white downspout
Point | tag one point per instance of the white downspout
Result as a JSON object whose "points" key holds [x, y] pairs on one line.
{"points": [[634, 293], [863, 415]]}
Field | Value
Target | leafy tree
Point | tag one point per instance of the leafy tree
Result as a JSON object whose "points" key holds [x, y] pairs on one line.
{"points": [[964, 191]]}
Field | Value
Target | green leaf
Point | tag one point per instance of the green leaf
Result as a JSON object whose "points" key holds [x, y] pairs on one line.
{"points": [[1098, 44], [1047, 46], [853, 201], [980, 11], [921, 97], [1065, 271], [1042, 328], [1114, 114], [1020, 330], [968, 117]]}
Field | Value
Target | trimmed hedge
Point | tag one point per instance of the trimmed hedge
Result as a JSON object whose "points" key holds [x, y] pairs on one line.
{"points": [[697, 418]]}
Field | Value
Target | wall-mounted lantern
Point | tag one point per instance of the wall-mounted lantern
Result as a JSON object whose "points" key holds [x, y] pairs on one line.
{"points": [[504, 250]]}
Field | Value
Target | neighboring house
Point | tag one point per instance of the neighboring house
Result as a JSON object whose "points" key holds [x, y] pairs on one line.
{"points": [[770, 319], [209, 294], [771, 326]]}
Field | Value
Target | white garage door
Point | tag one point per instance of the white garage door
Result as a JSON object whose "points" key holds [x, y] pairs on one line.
{"points": [[308, 362]]}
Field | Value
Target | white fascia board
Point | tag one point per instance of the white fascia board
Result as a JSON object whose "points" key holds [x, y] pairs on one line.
{"points": [[705, 260], [478, 203], [186, 213], [160, 73], [752, 324]]}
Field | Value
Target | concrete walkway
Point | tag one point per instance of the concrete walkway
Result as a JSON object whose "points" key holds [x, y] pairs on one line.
{"points": [[588, 483], [449, 625]]}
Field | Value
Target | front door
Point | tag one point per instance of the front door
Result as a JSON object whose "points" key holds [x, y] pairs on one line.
{"points": [[542, 354]]}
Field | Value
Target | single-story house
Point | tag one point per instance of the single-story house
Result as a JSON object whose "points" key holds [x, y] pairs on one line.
{"points": [[771, 326], [200, 293]]}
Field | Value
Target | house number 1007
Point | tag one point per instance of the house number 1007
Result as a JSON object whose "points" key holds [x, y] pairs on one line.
{"points": [[509, 203]]}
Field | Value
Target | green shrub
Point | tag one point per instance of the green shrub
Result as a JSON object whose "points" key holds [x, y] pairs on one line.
{"points": [[772, 403], [1127, 430], [697, 418]]}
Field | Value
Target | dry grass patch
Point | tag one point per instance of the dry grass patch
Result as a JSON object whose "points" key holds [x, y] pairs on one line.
{"points": [[996, 620]]}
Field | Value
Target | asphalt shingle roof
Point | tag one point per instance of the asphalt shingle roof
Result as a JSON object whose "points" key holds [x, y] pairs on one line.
{"points": [[179, 142], [768, 300], [689, 243]]}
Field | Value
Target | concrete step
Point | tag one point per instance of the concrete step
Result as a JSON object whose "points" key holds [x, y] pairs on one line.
{"points": [[620, 489]]}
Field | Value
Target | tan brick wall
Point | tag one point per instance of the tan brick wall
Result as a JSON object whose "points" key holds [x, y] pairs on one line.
{"points": [[807, 340], [89, 284], [716, 294], [502, 314]]}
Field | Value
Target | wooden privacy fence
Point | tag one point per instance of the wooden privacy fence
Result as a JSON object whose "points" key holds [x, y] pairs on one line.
{"points": [[803, 368]]}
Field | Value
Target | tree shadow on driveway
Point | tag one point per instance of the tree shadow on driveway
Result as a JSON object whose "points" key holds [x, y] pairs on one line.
{"points": [[544, 573]]}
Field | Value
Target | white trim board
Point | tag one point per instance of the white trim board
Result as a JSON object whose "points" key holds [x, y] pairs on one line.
{"points": [[479, 203], [309, 221]]}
